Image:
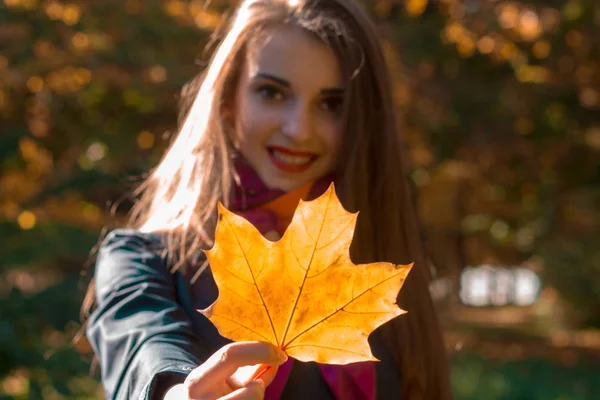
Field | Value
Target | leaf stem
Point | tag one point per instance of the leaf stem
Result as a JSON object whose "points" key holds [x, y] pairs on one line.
{"points": [[260, 372]]}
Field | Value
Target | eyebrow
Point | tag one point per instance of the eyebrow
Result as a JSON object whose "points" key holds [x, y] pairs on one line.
{"points": [[284, 83]]}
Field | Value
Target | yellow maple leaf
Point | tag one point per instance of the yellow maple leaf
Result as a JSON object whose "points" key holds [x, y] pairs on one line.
{"points": [[301, 293]]}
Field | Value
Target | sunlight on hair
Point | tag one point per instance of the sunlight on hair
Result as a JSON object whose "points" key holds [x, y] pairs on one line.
{"points": [[178, 204]]}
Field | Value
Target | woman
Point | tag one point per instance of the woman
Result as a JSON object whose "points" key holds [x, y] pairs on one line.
{"points": [[297, 95]]}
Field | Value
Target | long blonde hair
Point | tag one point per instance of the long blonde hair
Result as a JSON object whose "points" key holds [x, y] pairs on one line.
{"points": [[179, 197]]}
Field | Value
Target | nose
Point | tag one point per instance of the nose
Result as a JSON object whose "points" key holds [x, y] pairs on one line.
{"points": [[298, 123]]}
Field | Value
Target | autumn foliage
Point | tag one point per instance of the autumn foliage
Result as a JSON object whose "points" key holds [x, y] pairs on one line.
{"points": [[501, 102]]}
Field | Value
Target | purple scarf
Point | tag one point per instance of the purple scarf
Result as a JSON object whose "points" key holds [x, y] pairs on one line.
{"points": [[347, 382]]}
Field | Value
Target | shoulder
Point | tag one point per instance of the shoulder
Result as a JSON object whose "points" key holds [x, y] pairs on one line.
{"points": [[129, 244], [129, 240], [126, 256]]}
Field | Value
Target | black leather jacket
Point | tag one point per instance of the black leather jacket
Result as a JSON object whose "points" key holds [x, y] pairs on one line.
{"points": [[148, 335]]}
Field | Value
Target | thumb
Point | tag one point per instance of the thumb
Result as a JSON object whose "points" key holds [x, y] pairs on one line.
{"points": [[272, 235]]}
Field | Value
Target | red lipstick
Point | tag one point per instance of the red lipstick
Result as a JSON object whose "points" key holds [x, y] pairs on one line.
{"points": [[289, 160]]}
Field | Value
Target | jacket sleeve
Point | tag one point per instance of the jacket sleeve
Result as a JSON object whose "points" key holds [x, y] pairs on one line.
{"points": [[142, 336]]}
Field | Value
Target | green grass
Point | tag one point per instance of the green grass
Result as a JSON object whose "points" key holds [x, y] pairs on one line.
{"points": [[474, 378]]}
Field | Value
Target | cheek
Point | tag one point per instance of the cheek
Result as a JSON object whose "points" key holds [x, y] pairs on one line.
{"points": [[332, 136], [254, 121]]}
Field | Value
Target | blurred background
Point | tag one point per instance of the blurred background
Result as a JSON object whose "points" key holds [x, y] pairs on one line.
{"points": [[502, 122]]}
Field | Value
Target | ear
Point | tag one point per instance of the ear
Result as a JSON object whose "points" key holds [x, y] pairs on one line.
{"points": [[228, 118], [227, 113], [227, 109]]}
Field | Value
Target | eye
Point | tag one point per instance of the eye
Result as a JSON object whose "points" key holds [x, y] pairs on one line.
{"points": [[332, 104], [270, 92]]}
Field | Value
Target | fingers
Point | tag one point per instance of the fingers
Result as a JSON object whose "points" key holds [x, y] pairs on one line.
{"points": [[225, 362], [273, 236], [254, 390], [244, 375]]}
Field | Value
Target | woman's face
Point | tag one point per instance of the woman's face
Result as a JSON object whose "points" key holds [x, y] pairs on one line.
{"points": [[288, 109]]}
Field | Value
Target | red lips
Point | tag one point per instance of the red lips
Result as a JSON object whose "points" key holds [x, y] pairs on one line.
{"points": [[280, 157]]}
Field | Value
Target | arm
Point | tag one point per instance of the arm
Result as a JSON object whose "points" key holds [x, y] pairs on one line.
{"points": [[141, 335]]}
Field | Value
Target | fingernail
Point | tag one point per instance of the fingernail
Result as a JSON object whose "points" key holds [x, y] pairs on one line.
{"points": [[281, 356]]}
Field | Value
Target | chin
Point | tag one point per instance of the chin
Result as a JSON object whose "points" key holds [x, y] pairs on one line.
{"points": [[286, 187], [284, 184]]}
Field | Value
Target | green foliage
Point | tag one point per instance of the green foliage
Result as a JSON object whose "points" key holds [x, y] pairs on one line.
{"points": [[35, 341], [573, 267], [473, 377], [46, 241]]}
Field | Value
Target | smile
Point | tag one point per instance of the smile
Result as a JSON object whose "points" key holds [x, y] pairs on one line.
{"points": [[289, 160]]}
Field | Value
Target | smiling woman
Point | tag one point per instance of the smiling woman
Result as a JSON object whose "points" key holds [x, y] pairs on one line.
{"points": [[287, 114], [296, 96]]}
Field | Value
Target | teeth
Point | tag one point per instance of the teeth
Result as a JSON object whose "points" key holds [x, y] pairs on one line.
{"points": [[290, 159]]}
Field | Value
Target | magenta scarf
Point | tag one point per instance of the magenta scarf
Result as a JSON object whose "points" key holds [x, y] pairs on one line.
{"points": [[347, 382]]}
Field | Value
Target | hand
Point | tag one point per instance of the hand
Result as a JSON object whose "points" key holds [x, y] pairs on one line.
{"points": [[228, 373]]}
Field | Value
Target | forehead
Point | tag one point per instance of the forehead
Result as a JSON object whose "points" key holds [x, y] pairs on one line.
{"points": [[294, 55]]}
